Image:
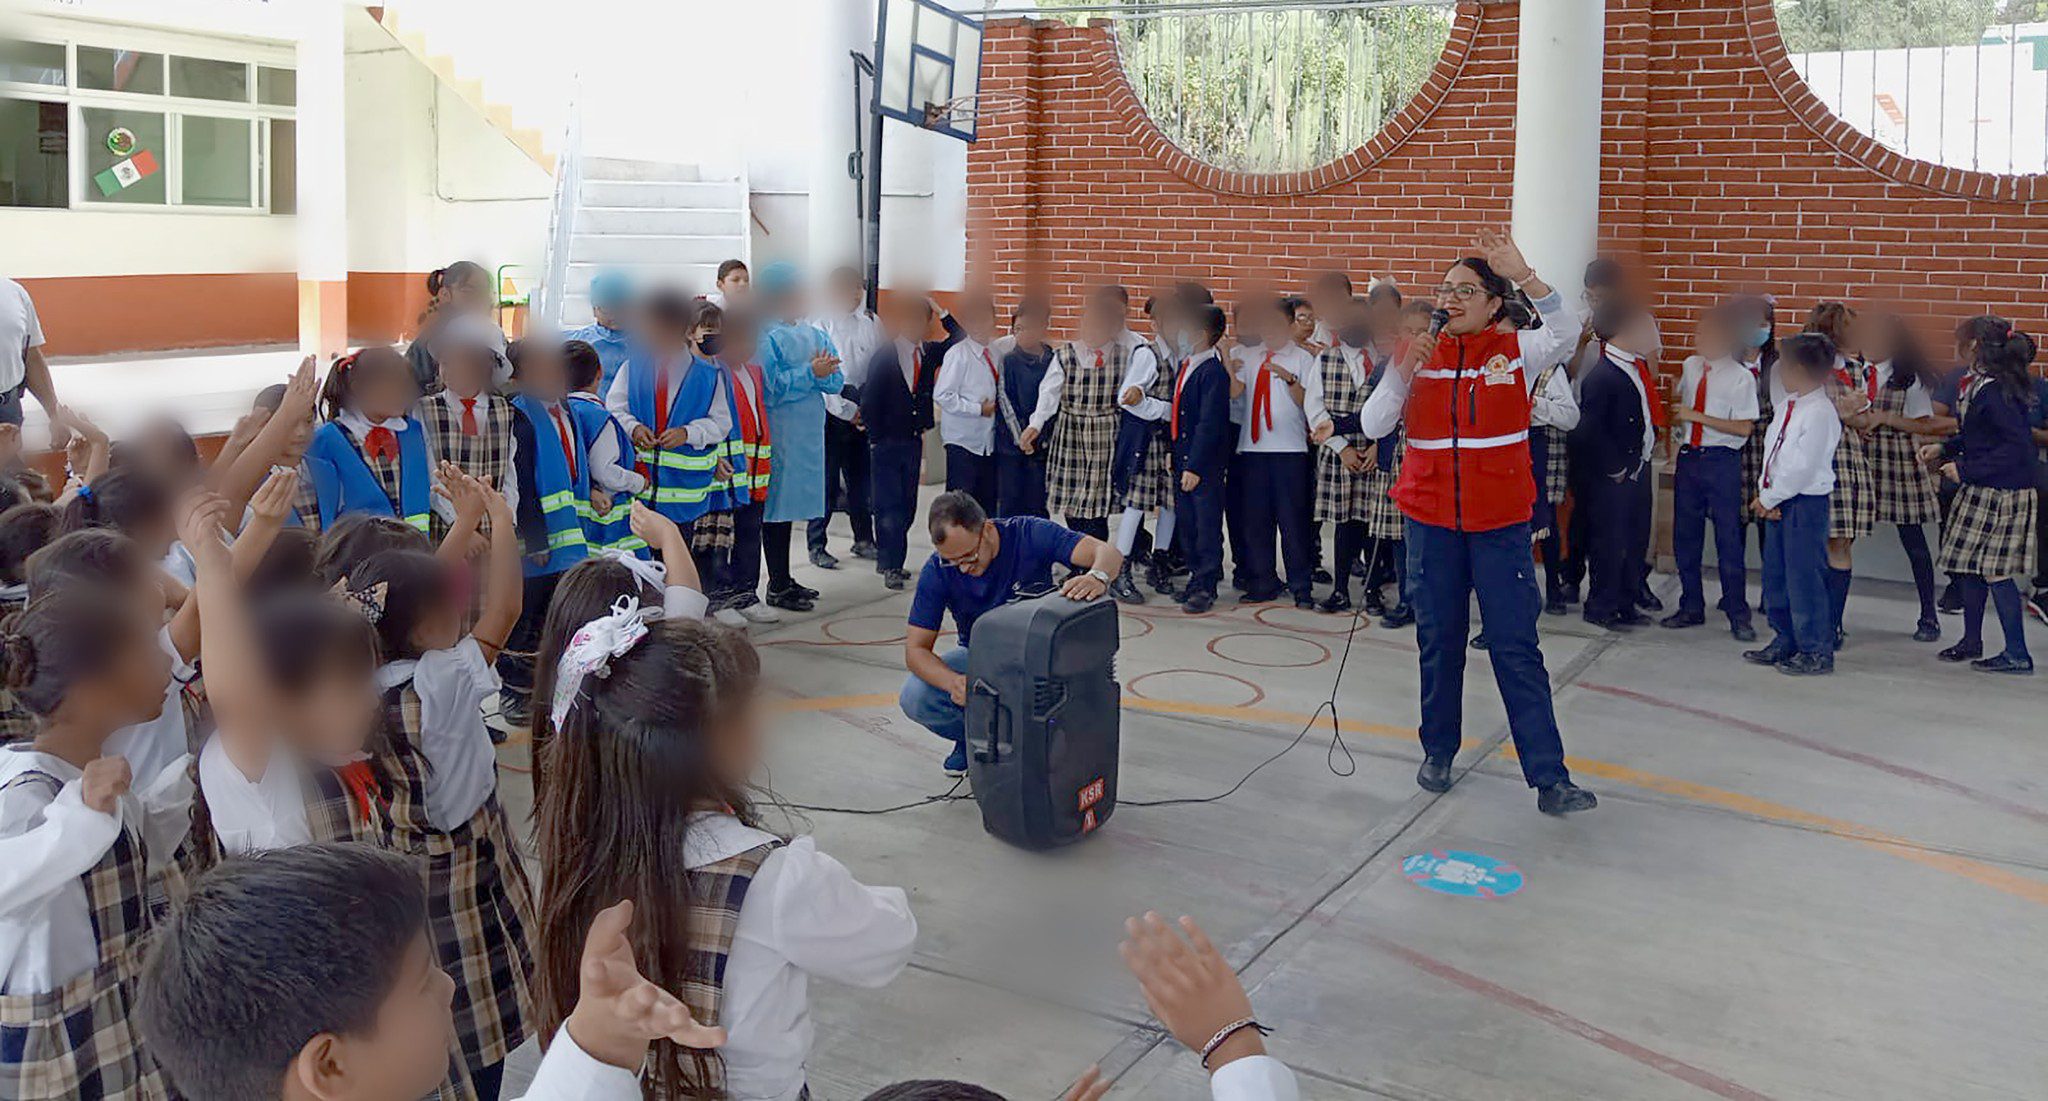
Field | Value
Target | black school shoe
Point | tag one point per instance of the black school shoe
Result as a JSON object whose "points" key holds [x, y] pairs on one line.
{"points": [[2005, 663], [1807, 665], [1683, 618], [1400, 615], [789, 600], [1124, 588], [1337, 603], [1962, 651], [1564, 797], [1434, 775], [892, 579], [1743, 632], [1647, 600], [1322, 576], [1951, 602], [864, 549], [804, 591], [1197, 603], [1927, 630], [1777, 653], [1479, 641], [823, 559], [1375, 601], [1554, 603]]}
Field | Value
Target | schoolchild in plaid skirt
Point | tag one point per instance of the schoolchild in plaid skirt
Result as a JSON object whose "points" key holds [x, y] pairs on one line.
{"points": [[1989, 542], [1142, 477], [67, 999], [1901, 412], [1083, 445], [739, 917], [468, 422], [437, 771], [1852, 508]]}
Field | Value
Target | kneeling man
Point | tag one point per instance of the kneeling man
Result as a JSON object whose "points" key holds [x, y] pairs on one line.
{"points": [[981, 564]]}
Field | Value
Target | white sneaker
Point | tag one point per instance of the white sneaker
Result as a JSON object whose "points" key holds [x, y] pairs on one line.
{"points": [[729, 617], [761, 613]]}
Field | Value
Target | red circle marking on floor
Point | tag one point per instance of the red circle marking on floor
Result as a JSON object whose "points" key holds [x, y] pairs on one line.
{"points": [[1258, 694], [1325, 650]]}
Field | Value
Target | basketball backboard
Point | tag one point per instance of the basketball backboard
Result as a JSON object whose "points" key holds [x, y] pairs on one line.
{"points": [[928, 66]]}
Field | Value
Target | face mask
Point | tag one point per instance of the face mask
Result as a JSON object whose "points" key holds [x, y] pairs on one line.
{"points": [[708, 345], [1760, 337], [1355, 336]]}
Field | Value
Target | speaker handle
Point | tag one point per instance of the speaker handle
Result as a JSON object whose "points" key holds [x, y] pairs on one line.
{"points": [[990, 753]]}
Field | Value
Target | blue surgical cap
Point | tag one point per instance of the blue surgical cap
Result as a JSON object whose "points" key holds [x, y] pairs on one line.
{"points": [[610, 290]]}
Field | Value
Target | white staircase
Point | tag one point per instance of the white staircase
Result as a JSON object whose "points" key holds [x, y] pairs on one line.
{"points": [[660, 224]]}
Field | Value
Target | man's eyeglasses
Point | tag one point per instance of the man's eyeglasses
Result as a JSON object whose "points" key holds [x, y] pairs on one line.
{"points": [[972, 556]]}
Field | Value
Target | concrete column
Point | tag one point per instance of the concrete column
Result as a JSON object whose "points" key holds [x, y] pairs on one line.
{"points": [[1557, 136], [322, 181], [834, 216]]}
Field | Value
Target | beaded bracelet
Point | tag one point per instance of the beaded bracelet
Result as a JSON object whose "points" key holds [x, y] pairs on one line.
{"points": [[1226, 1032]]}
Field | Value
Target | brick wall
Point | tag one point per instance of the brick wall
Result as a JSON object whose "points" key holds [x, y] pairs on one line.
{"points": [[1719, 171]]}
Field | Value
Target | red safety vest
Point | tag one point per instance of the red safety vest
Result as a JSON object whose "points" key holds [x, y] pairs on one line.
{"points": [[755, 447], [1466, 466]]}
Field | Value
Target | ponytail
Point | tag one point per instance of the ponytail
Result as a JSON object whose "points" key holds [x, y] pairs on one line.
{"points": [[125, 499], [2005, 354]]}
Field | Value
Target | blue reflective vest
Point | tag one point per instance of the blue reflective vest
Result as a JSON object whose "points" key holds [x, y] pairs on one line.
{"points": [[559, 493], [678, 478], [344, 482], [612, 529]]}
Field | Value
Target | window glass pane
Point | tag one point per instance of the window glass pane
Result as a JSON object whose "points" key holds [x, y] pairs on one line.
{"points": [[33, 141], [32, 63], [124, 155], [277, 87], [284, 166], [120, 70], [202, 78], [216, 161]]}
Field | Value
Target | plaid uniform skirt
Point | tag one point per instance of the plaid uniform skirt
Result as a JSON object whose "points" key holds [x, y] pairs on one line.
{"points": [[712, 531], [479, 906], [1340, 494], [1384, 519], [1905, 490], [1152, 484], [1852, 508], [79, 1040], [1556, 463], [1077, 465], [1990, 533]]}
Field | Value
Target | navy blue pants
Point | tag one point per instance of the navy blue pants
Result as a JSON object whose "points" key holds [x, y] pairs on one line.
{"points": [[975, 474], [1618, 540], [894, 466], [739, 573], [1020, 484], [846, 484], [1234, 480], [1707, 488], [1198, 525], [1796, 575], [1275, 500], [1445, 568]]}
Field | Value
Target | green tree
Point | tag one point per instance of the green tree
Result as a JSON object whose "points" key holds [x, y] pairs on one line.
{"points": [[1825, 26]]}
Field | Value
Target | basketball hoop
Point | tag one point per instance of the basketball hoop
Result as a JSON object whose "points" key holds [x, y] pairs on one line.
{"points": [[928, 67], [968, 111]]}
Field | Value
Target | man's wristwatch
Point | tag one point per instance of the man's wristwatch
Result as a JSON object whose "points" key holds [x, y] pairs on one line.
{"points": [[1098, 575]]}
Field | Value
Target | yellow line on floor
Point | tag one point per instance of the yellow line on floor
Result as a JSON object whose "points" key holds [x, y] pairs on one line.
{"points": [[1977, 871]]}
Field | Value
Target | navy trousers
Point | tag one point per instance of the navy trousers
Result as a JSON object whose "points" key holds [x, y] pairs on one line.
{"points": [[1020, 484], [1198, 525], [739, 575], [894, 466], [1445, 568], [976, 474], [1707, 488], [1235, 479], [1796, 575], [1618, 540], [846, 484], [1275, 500]]}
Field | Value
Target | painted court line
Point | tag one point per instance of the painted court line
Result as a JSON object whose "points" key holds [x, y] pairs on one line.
{"points": [[1904, 772], [1558, 1018], [1980, 872]]}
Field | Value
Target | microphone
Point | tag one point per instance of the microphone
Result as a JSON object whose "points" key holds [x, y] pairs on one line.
{"points": [[1438, 318]]}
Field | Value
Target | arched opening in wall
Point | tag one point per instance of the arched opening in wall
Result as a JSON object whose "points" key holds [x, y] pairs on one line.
{"points": [[1958, 83], [1269, 87]]}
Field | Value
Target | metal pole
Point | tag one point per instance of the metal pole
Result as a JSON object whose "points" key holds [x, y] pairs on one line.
{"points": [[873, 185]]}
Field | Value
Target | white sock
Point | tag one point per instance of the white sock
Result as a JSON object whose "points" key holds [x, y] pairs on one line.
{"points": [[1127, 530], [1162, 539]]}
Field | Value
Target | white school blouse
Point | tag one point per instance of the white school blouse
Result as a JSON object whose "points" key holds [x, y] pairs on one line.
{"points": [[1289, 431], [1142, 373], [1312, 392], [805, 915], [1731, 395], [713, 427], [568, 1073], [452, 685], [151, 745], [1799, 449], [608, 470], [1919, 403], [47, 843], [967, 377], [255, 815]]}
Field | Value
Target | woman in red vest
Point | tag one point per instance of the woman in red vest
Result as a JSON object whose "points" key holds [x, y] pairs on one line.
{"points": [[1463, 392]]}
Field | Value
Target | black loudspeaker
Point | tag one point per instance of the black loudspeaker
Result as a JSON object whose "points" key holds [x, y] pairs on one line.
{"points": [[1043, 719]]}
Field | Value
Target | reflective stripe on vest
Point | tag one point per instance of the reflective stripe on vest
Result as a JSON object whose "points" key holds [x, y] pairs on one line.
{"points": [[1474, 442]]}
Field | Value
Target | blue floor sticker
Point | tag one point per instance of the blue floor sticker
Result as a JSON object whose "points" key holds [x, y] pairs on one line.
{"points": [[1467, 875]]}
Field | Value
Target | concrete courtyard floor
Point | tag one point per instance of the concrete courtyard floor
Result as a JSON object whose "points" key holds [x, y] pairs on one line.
{"points": [[1792, 889]]}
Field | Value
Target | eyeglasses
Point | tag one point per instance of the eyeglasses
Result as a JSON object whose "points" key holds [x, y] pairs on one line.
{"points": [[1460, 291], [971, 557]]}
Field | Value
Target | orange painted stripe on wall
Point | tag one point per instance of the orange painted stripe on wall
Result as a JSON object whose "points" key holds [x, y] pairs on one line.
{"points": [[104, 314]]}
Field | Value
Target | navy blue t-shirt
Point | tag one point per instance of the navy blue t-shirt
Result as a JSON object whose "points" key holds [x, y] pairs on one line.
{"points": [[1030, 548]]}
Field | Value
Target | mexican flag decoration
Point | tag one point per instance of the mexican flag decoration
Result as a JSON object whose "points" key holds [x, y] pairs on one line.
{"points": [[128, 173]]}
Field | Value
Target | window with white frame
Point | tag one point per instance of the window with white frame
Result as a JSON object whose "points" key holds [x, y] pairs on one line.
{"points": [[93, 125]]}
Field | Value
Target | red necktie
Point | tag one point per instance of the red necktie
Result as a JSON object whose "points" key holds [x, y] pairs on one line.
{"points": [[361, 782], [1699, 405], [1262, 397], [1658, 415], [661, 402], [381, 443], [1177, 384], [469, 427], [568, 447], [993, 375], [1098, 359], [916, 367], [1772, 458]]}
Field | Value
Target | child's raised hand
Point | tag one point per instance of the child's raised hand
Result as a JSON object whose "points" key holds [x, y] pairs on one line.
{"points": [[1187, 983], [462, 491], [201, 527], [823, 364], [618, 1011], [272, 501], [104, 781], [300, 391], [652, 527]]}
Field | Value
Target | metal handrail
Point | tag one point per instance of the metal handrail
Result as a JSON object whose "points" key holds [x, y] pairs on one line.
{"points": [[554, 284]]}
